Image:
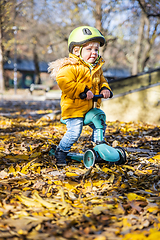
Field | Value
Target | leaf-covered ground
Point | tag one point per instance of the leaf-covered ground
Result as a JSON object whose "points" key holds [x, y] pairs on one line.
{"points": [[39, 201]]}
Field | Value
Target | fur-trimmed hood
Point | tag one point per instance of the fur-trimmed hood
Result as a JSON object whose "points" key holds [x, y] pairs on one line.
{"points": [[55, 66]]}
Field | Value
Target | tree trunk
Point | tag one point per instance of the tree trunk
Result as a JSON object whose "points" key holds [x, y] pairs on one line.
{"points": [[149, 43], [98, 18], [98, 14], [1, 56], [138, 46], [36, 64]]}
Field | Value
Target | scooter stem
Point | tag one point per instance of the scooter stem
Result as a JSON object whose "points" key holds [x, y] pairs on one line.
{"points": [[95, 98], [100, 134]]}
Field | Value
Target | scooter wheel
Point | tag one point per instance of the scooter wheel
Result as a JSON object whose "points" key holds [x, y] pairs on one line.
{"points": [[89, 158], [123, 157]]}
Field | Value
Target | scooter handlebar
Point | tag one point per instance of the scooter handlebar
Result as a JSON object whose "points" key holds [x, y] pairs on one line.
{"points": [[84, 95], [97, 97]]}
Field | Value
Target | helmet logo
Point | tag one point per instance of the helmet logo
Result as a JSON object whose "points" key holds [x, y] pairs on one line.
{"points": [[86, 31]]}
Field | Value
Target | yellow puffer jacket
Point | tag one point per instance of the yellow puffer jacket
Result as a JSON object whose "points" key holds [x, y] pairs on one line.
{"points": [[73, 76]]}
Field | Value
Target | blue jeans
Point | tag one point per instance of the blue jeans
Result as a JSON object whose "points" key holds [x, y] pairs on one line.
{"points": [[74, 130]]}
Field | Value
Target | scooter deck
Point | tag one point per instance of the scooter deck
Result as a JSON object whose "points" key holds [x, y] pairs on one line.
{"points": [[107, 153], [99, 153], [73, 156]]}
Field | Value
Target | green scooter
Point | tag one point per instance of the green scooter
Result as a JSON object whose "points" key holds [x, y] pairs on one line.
{"points": [[101, 152]]}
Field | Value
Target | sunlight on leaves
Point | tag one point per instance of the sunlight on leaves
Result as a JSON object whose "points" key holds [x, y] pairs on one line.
{"points": [[108, 201]]}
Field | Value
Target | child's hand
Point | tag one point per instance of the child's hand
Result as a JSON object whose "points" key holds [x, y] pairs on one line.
{"points": [[106, 93], [89, 95]]}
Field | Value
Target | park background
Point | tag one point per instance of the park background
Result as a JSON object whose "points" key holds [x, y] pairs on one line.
{"points": [[107, 201], [34, 33]]}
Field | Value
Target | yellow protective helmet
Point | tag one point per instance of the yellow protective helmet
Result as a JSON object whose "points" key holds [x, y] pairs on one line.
{"points": [[84, 34]]}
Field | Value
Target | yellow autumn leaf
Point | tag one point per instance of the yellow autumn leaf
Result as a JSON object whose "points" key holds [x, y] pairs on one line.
{"points": [[50, 188], [100, 238], [111, 179], [24, 170], [26, 189], [98, 183], [125, 222], [129, 167], [130, 129], [87, 185], [22, 156], [11, 169], [106, 170], [34, 165], [43, 202], [134, 196], [61, 192], [1, 213], [72, 196], [2, 155], [124, 185], [147, 171], [78, 205], [71, 174], [154, 236], [135, 236], [58, 183], [66, 210], [11, 158], [22, 232], [28, 201], [38, 170], [69, 186], [98, 210], [49, 194], [23, 181], [36, 154], [49, 215], [49, 181], [157, 157], [17, 168], [152, 207]]}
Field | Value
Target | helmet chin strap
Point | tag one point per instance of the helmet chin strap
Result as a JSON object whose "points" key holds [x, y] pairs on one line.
{"points": [[80, 51]]}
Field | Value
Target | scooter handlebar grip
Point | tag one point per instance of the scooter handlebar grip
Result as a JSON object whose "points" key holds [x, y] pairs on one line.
{"points": [[97, 96], [84, 95]]}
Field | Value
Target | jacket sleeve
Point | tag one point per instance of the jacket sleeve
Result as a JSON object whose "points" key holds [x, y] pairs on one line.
{"points": [[67, 81], [104, 84]]}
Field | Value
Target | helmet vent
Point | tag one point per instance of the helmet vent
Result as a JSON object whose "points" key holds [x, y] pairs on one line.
{"points": [[86, 31]]}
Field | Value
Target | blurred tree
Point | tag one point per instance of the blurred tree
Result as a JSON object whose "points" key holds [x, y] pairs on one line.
{"points": [[44, 27], [1, 53], [137, 50], [151, 8], [100, 13], [137, 34], [148, 32], [7, 17], [69, 15], [31, 14]]}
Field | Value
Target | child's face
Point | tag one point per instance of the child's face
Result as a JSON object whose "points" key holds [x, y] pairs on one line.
{"points": [[90, 51]]}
